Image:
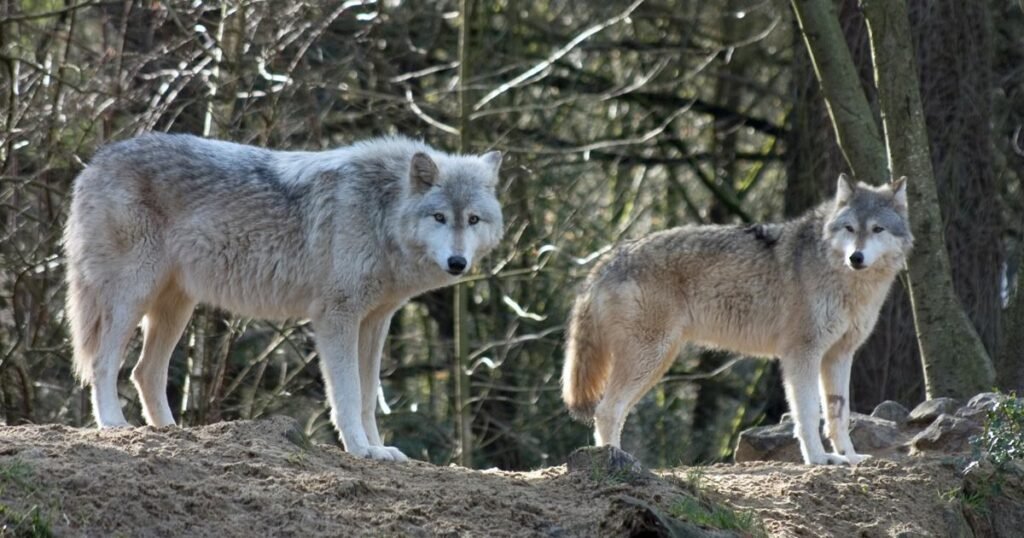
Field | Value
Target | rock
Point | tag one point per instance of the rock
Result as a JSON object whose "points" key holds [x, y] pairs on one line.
{"points": [[929, 410], [956, 523], [890, 410], [629, 516], [606, 462], [768, 443], [986, 400], [872, 434], [946, 433], [998, 499], [978, 407], [777, 442], [974, 414]]}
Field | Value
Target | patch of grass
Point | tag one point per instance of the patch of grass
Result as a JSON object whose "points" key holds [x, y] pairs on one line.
{"points": [[609, 476], [717, 516], [700, 510], [15, 472], [695, 477], [974, 500], [30, 524], [297, 458], [18, 479], [299, 438]]}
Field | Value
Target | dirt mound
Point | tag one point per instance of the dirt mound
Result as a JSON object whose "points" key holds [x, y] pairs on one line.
{"points": [[264, 478]]}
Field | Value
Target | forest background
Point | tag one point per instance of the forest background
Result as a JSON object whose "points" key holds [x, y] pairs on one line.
{"points": [[616, 118]]}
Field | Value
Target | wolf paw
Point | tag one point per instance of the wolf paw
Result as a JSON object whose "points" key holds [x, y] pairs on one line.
{"points": [[381, 453], [113, 425], [827, 459], [855, 458]]}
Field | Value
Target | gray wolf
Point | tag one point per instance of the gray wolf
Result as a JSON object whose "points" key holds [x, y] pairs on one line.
{"points": [[344, 237], [806, 291]]}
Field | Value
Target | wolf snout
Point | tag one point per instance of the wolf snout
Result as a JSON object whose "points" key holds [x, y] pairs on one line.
{"points": [[857, 260], [456, 265]]}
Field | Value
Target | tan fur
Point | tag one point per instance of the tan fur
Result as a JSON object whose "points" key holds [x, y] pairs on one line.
{"points": [[586, 366], [85, 320], [781, 290]]}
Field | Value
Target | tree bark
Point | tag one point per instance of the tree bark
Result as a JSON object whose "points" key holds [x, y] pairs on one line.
{"points": [[888, 363], [856, 131], [463, 410], [1008, 362], [954, 46], [954, 359], [1008, 124]]}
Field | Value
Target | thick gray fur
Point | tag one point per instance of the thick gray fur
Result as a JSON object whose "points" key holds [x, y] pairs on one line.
{"points": [[344, 237]]}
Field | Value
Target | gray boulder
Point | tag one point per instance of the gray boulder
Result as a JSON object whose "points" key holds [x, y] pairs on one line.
{"points": [[929, 410], [979, 406], [606, 463], [947, 433], [870, 435], [768, 443], [890, 410]]}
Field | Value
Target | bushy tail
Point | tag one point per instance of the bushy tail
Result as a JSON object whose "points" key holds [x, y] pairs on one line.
{"points": [[85, 319], [586, 361]]}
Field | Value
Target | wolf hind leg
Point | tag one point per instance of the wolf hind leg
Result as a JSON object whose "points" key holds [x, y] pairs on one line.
{"points": [[835, 392], [638, 362], [163, 324], [124, 316]]}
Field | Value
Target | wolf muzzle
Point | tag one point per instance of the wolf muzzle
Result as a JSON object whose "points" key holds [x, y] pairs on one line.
{"points": [[456, 265]]}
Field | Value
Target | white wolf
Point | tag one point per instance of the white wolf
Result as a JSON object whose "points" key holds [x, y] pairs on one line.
{"points": [[162, 222], [807, 291]]}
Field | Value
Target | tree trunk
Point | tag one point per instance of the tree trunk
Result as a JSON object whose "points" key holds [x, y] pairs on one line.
{"points": [[855, 128], [1011, 373], [463, 410], [1008, 124], [888, 364], [955, 361], [953, 41]]}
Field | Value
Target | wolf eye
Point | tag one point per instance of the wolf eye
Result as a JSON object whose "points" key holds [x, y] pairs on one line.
{"points": [[473, 219], [878, 229], [439, 217], [849, 228]]}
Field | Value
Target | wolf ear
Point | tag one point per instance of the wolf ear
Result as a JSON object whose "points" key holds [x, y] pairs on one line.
{"points": [[493, 160], [899, 192], [423, 172], [843, 189]]}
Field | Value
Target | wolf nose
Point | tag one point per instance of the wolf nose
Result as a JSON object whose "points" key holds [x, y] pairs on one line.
{"points": [[857, 260], [456, 265]]}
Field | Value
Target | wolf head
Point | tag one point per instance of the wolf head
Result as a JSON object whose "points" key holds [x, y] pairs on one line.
{"points": [[452, 215], [868, 227]]}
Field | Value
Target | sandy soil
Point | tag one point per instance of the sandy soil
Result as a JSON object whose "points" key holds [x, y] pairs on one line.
{"points": [[876, 498], [263, 478]]}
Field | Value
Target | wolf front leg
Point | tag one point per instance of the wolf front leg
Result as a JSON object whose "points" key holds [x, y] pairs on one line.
{"points": [[372, 332], [337, 340], [835, 390], [800, 377]]}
